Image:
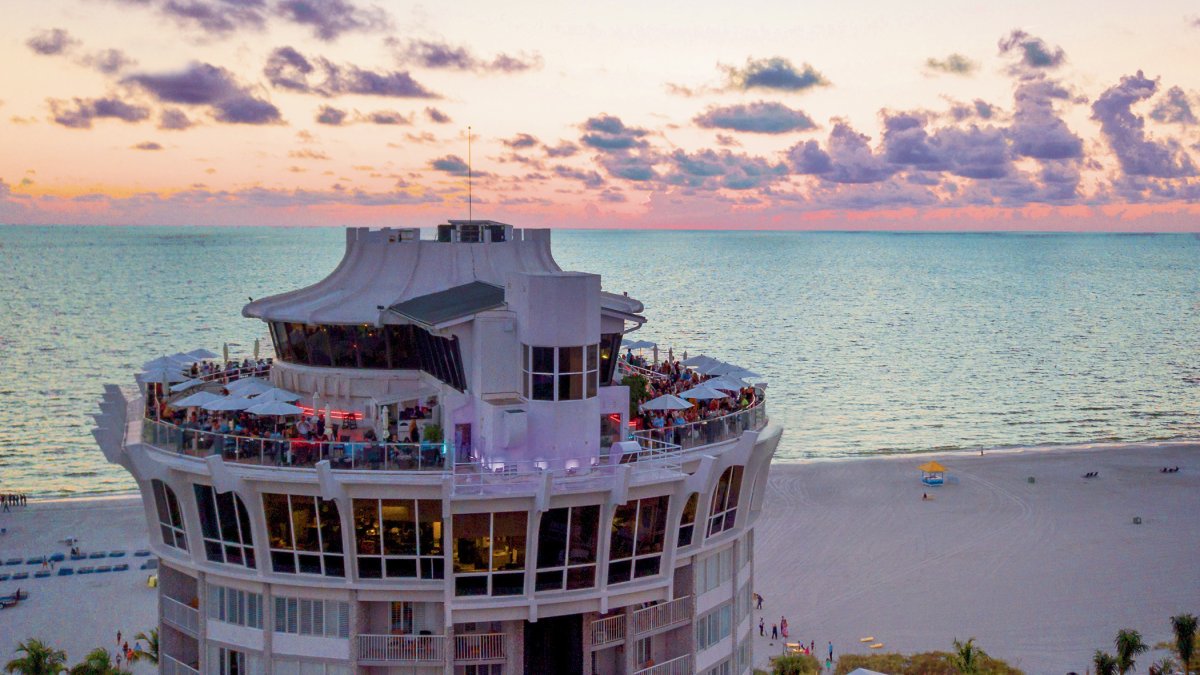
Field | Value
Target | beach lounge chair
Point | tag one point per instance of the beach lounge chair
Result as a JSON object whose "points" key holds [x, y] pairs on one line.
{"points": [[103, 568], [121, 568], [35, 560], [20, 575], [4, 577], [13, 561], [65, 571], [151, 564], [57, 557], [78, 556], [141, 553], [41, 574], [97, 555], [86, 570], [116, 554]]}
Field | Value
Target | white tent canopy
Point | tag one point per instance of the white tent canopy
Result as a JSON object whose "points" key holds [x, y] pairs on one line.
{"points": [[164, 362], [666, 402], [725, 382], [638, 344], [230, 403], [183, 386], [168, 375], [703, 392], [275, 409], [202, 354], [248, 387], [275, 394], [699, 360], [197, 399]]}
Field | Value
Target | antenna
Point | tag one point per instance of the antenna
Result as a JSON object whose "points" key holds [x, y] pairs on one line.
{"points": [[469, 200]]}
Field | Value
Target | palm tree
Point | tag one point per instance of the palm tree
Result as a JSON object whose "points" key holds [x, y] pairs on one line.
{"points": [[39, 659], [967, 656], [1104, 663], [150, 653], [1129, 644], [1162, 666], [97, 662], [1184, 626]]}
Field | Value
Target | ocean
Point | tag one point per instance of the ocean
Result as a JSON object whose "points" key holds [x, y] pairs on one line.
{"points": [[871, 343]]}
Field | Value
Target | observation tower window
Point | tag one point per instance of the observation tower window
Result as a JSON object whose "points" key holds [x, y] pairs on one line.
{"points": [[399, 538], [687, 522], [567, 540], [489, 553], [225, 526], [305, 535], [560, 373], [636, 546], [170, 517], [610, 347], [723, 510]]}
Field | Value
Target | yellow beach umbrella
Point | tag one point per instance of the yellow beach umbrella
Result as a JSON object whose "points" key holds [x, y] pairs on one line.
{"points": [[932, 467]]}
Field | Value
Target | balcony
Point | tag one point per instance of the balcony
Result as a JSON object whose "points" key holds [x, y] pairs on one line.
{"points": [[608, 631], [169, 665], [681, 665], [402, 649], [661, 616], [179, 615], [479, 647]]}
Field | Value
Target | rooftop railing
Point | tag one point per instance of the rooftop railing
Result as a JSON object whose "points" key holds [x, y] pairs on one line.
{"points": [[710, 431], [402, 648], [481, 477]]}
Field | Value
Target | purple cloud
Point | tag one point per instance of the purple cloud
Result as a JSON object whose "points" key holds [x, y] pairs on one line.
{"points": [[205, 84], [52, 42], [288, 69], [954, 64], [218, 18], [589, 179], [1125, 132], [1174, 108], [451, 164], [520, 141], [387, 117], [713, 169], [437, 116], [331, 116], [148, 145], [109, 61], [173, 119], [562, 150], [776, 74], [849, 158], [761, 117], [442, 56], [329, 19], [1034, 52], [608, 133], [80, 113], [1037, 131]]}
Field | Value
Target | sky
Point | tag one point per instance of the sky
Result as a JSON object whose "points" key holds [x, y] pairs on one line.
{"points": [[863, 114]]}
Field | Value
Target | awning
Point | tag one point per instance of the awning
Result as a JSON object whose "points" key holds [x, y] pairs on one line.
{"points": [[438, 308], [932, 467]]}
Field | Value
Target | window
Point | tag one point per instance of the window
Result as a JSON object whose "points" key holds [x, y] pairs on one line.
{"points": [[714, 570], [610, 347], [399, 538], [638, 528], [567, 540], [321, 618], [305, 535], [480, 669], [489, 553], [225, 525], [170, 517], [641, 651], [308, 667], [687, 522], [723, 511], [227, 661], [722, 668], [560, 373], [714, 626], [230, 605]]}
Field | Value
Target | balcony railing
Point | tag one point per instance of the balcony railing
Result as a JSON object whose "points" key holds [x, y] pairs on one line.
{"points": [[402, 648], [169, 665], [680, 665], [662, 615], [608, 631], [489, 475], [179, 615], [479, 647], [707, 432]]}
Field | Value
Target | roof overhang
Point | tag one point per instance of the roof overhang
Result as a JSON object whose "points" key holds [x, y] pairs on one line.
{"points": [[451, 306]]}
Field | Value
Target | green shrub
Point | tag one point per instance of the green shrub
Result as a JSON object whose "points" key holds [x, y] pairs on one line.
{"points": [[795, 664], [926, 663]]}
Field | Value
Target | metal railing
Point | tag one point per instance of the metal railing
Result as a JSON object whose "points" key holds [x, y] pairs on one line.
{"points": [[342, 455], [631, 369], [710, 431], [680, 665], [607, 631], [489, 475], [169, 665], [662, 615], [179, 615], [479, 647], [402, 648]]}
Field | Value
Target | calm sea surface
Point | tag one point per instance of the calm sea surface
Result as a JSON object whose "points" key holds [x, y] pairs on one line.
{"points": [[872, 343]]}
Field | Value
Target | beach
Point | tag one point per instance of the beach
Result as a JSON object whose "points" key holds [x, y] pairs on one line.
{"points": [[1041, 574]]}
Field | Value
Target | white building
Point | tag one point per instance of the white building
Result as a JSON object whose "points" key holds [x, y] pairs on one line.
{"points": [[530, 539]]}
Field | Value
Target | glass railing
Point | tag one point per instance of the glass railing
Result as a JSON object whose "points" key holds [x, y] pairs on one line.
{"points": [[708, 432], [282, 452]]}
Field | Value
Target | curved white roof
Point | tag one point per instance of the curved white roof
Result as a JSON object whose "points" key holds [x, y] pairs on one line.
{"points": [[389, 266]]}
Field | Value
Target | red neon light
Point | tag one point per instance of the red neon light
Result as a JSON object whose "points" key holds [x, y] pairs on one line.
{"points": [[335, 414]]}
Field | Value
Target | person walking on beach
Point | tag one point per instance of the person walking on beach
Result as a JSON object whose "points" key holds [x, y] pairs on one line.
{"points": [[762, 627], [783, 626], [118, 637], [774, 631], [758, 600], [831, 651]]}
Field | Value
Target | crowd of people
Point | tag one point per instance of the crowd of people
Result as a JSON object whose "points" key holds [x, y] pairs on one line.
{"points": [[11, 499], [232, 369], [672, 377]]}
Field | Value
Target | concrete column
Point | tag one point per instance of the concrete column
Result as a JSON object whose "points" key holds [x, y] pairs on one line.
{"points": [[514, 632], [202, 623], [355, 624], [630, 646], [268, 608]]}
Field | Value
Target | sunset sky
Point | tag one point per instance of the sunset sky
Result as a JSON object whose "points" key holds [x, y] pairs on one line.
{"points": [[958, 115]]}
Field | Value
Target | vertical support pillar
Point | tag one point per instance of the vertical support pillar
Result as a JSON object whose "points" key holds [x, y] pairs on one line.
{"points": [[268, 609], [631, 663]]}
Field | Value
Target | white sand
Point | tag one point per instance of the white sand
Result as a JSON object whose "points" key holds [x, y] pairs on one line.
{"points": [[1040, 574]]}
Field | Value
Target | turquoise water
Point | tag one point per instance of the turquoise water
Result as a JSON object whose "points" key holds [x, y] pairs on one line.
{"points": [[871, 342]]}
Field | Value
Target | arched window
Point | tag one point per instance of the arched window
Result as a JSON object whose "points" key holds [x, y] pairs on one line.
{"points": [[225, 526], [170, 517], [687, 522], [723, 510]]}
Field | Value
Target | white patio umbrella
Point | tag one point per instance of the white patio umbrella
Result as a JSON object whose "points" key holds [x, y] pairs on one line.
{"points": [[165, 362], [184, 386], [717, 368], [638, 344], [202, 354], [275, 409], [744, 374], [255, 349], [725, 382], [698, 360], [251, 386], [275, 394], [230, 403], [167, 375], [665, 402], [196, 400], [703, 392]]}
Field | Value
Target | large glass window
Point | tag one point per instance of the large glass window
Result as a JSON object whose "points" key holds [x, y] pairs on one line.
{"points": [[567, 539], [170, 517], [235, 606], [723, 510], [560, 373], [304, 616], [636, 545], [367, 346], [229, 661], [316, 338], [687, 522], [225, 525], [305, 535], [399, 538], [714, 625], [610, 345], [489, 553]]}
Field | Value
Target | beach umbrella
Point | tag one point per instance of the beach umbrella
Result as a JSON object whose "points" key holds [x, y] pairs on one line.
{"points": [[666, 402], [230, 403], [167, 375], [255, 349], [328, 416], [697, 360], [703, 392], [744, 374], [275, 394], [383, 422], [225, 351], [197, 399], [725, 383], [671, 354], [638, 344], [275, 409], [202, 354], [184, 386], [249, 386], [164, 362]]}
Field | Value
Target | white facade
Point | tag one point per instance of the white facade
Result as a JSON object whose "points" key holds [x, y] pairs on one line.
{"points": [[525, 529]]}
